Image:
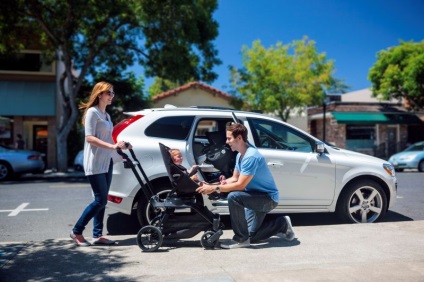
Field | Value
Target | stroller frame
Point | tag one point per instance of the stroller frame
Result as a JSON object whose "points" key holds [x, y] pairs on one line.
{"points": [[168, 224]]}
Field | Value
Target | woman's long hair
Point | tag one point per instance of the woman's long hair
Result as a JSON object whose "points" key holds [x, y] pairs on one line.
{"points": [[98, 89]]}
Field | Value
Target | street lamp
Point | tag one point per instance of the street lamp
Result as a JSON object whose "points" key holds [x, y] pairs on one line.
{"points": [[324, 106]]}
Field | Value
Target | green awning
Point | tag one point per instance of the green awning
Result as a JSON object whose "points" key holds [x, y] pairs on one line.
{"points": [[377, 117]]}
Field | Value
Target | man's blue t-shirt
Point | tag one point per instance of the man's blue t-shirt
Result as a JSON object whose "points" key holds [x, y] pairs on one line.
{"points": [[253, 163]]}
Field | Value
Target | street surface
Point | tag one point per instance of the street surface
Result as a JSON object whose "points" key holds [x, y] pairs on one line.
{"points": [[32, 210]]}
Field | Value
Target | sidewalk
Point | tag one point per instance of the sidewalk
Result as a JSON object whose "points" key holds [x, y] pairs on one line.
{"points": [[392, 251]]}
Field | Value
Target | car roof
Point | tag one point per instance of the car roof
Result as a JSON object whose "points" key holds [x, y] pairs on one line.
{"points": [[172, 108]]}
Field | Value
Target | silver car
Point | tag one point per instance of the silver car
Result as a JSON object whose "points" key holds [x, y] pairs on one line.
{"points": [[15, 162], [411, 157], [312, 176]]}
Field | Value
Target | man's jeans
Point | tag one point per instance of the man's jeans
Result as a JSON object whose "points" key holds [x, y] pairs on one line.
{"points": [[100, 184], [247, 213]]}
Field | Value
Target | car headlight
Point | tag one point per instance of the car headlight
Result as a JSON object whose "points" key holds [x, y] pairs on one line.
{"points": [[389, 169]]}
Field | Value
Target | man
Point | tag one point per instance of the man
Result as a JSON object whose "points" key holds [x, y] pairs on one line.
{"points": [[253, 194]]}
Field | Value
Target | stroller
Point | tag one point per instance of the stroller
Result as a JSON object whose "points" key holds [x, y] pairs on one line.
{"points": [[169, 224]]}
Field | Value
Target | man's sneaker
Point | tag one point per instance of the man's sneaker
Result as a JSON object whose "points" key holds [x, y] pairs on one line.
{"points": [[289, 235], [234, 244]]}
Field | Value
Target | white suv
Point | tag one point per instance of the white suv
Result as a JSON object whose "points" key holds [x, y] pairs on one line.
{"points": [[312, 176]]}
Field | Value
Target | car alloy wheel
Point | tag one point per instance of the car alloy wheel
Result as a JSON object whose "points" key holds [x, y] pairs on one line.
{"points": [[362, 202]]}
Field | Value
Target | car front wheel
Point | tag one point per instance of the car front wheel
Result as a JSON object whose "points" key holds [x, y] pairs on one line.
{"points": [[421, 166], [362, 202]]}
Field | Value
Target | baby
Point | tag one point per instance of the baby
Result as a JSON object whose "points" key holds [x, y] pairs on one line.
{"points": [[177, 159]]}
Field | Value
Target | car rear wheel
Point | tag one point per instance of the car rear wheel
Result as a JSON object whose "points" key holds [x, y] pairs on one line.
{"points": [[421, 166], [5, 171], [145, 212], [362, 202]]}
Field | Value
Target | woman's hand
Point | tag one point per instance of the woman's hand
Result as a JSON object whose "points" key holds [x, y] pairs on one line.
{"points": [[122, 145]]}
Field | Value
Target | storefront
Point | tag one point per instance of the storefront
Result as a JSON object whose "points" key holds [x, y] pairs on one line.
{"points": [[377, 129]]}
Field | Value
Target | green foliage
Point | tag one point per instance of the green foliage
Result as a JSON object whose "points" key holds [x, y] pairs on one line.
{"points": [[282, 77], [161, 85], [170, 38], [399, 73], [178, 35]]}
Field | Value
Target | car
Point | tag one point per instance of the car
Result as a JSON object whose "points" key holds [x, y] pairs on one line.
{"points": [[14, 162], [410, 158], [312, 176], [79, 161]]}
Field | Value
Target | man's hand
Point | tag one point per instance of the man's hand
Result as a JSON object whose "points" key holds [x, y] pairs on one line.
{"points": [[206, 189]]}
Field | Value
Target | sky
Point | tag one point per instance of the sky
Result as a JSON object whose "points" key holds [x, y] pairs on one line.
{"points": [[350, 32]]}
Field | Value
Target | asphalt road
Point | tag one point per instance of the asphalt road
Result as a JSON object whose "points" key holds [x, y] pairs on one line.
{"points": [[32, 210]]}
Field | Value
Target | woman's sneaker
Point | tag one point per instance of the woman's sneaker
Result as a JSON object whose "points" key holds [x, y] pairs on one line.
{"points": [[289, 235]]}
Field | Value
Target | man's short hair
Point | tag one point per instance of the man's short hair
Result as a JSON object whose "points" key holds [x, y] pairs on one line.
{"points": [[237, 129]]}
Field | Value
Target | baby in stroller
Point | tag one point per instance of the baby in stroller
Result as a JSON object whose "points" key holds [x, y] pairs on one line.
{"points": [[171, 224], [177, 159]]}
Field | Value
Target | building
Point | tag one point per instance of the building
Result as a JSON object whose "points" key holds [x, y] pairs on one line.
{"points": [[193, 94], [357, 121], [28, 91]]}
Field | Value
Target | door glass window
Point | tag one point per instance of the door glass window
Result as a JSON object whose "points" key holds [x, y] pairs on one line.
{"points": [[176, 127], [272, 135]]}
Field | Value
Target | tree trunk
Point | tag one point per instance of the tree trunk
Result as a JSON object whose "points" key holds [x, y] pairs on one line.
{"points": [[62, 151]]}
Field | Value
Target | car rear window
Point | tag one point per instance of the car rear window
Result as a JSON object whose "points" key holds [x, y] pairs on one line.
{"points": [[176, 127]]}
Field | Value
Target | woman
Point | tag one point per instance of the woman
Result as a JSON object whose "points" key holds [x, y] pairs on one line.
{"points": [[99, 150]]}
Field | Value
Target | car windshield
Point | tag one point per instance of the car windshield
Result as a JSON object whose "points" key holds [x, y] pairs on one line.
{"points": [[415, 147]]}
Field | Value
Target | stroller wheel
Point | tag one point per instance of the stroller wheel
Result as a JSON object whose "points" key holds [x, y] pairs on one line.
{"points": [[149, 238], [207, 241]]}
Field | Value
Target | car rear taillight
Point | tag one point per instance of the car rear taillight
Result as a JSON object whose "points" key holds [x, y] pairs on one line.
{"points": [[114, 199], [117, 129], [34, 157]]}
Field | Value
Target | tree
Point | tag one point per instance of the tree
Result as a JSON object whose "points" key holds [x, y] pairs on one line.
{"points": [[399, 73], [161, 85], [170, 38], [282, 77]]}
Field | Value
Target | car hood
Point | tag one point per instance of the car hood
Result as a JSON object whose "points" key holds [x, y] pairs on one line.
{"points": [[350, 155]]}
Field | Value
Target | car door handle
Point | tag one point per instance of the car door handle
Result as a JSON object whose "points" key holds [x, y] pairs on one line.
{"points": [[275, 164]]}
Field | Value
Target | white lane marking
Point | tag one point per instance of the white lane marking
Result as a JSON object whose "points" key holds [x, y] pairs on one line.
{"points": [[21, 208]]}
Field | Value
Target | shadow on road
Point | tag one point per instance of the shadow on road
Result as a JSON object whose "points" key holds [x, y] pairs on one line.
{"points": [[122, 224]]}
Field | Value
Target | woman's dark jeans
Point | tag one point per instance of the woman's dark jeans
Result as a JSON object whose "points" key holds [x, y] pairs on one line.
{"points": [[100, 184], [247, 213]]}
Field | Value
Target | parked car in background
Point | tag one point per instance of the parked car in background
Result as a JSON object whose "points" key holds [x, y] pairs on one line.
{"points": [[79, 161], [15, 162], [311, 176], [411, 157]]}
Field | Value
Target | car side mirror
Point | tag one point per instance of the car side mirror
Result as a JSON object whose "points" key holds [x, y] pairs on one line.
{"points": [[319, 148]]}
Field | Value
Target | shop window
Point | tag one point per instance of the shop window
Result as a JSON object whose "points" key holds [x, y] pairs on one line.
{"points": [[32, 62], [360, 137]]}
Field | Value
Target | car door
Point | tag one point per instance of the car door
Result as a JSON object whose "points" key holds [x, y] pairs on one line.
{"points": [[303, 177]]}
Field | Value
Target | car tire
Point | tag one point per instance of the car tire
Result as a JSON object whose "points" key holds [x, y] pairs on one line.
{"points": [[362, 201], [145, 212], [6, 171], [421, 166]]}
